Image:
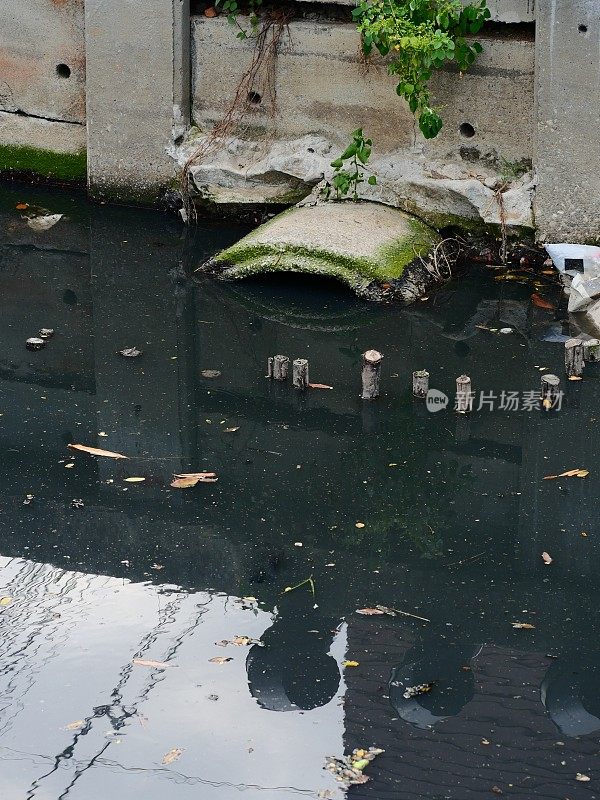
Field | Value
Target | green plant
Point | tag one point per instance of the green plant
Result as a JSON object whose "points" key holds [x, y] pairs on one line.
{"points": [[420, 36], [232, 8], [348, 168]]}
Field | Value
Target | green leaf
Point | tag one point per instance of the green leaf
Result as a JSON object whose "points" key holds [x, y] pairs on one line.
{"points": [[339, 162], [372, 180]]}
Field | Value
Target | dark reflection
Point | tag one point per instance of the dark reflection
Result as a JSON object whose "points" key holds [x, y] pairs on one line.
{"points": [[445, 665], [570, 692], [292, 670]]}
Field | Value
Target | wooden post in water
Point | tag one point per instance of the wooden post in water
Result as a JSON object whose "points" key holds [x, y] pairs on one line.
{"points": [[300, 373], [270, 367], [550, 392], [420, 383], [574, 358], [371, 373], [591, 350], [464, 395], [281, 365]]}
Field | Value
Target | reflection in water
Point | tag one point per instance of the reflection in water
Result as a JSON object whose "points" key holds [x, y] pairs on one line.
{"points": [[455, 515], [292, 668]]}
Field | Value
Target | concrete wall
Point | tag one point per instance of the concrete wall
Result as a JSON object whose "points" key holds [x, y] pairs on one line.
{"points": [[323, 88], [567, 201], [138, 105]]}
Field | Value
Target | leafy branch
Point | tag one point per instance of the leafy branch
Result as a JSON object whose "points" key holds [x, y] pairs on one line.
{"points": [[348, 172], [232, 8], [420, 36]]}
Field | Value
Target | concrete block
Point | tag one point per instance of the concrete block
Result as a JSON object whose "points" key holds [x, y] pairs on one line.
{"points": [[324, 88], [567, 203], [42, 58], [138, 61]]}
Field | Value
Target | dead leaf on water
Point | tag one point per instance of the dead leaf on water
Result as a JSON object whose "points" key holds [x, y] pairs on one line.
{"points": [[231, 430], [145, 662], [240, 641], [549, 477], [134, 480], [575, 378], [219, 660], [74, 726], [368, 612], [581, 777], [359, 525], [547, 558], [319, 386], [540, 302], [172, 755], [95, 451], [22, 206], [5, 601], [185, 480], [523, 625], [210, 373], [350, 663]]}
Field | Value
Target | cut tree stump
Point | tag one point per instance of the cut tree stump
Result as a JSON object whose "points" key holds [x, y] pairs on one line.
{"points": [[464, 395], [281, 366], [300, 373], [550, 394], [420, 383], [574, 363], [371, 373]]}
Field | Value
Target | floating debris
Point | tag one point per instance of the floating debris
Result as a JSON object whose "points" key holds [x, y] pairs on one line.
{"points": [[46, 333], [172, 755], [35, 343], [129, 352], [415, 691], [348, 770], [210, 373], [185, 480], [240, 641]]}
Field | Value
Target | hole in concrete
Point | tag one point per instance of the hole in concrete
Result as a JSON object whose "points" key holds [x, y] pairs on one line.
{"points": [[179, 140], [467, 130], [583, 28], [254, 98], [63, 71]]}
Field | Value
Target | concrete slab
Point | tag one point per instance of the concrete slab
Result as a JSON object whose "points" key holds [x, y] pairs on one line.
{"points": [[138, 62], [567, 206], [364, 245]]}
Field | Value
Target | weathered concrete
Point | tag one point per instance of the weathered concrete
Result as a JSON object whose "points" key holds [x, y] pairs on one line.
{"points": [[567, 204], [323, 88], [42, 59], [374, 249], [138, 62]]}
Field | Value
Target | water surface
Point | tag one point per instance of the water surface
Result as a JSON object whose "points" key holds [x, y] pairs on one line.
{"points": [[438, 515]]}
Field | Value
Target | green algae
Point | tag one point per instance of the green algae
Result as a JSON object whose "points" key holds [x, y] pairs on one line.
{"points": [[45, 163]]}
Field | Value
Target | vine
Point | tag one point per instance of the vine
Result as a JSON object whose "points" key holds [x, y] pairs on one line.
{"points": [[420, 36], [232, 9], [348, 167]]}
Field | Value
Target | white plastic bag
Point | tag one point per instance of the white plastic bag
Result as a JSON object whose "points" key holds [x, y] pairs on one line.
{"points": [[579, 264]]}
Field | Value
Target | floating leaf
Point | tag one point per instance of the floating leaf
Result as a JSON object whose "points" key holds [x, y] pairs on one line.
{"points": [[350, 663], [359, 525], [186, 480], [5, 601], [94, 451], [172, 755], [415, 691], [134, 480], [210, 373], [22, 206], [575, 473], [319, 386], [581, 777], [546, 558], [539, 301], [583, 473], [524, 625], [549, 477], [368, 612], [575, 378], [144, 662], [74, 726], [130, 352], [231, 430], [220, 660]]}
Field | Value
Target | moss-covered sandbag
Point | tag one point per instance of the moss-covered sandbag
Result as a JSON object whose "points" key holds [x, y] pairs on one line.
{"points": [[378, 251]]}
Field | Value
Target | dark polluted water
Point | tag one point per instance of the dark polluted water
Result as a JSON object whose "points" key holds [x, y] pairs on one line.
{"points": [[441, 516]]}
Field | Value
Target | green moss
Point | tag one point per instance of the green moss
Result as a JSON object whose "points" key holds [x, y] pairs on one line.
{"points": [[249, 257], [46, 163]]}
